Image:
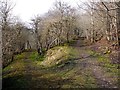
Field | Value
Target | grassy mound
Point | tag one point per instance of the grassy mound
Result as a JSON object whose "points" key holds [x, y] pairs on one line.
{"points": [[58, 55]]}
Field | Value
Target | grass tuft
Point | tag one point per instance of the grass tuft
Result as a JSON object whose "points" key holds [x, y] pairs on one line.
{"points": [[20, 56], [34, 56]]}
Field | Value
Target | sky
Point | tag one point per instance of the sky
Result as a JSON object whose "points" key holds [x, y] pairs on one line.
{"points": [[26, 9]]}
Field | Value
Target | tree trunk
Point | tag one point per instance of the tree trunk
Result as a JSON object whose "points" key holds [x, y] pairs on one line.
{"points": [[0, 56], [118, 23], [39, 48], [68, 37], [108, 25], [92, 27]]}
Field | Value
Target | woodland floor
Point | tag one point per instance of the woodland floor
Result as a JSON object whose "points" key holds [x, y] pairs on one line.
{"points": [[87, 70]]}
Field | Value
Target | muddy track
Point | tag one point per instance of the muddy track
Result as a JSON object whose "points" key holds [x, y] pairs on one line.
{"points": [[90, 62]]}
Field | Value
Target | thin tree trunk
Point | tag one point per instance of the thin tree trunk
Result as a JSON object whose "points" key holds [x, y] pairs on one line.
{"points": [[118, 24], [92, 27], [0, 52], [38, 44]]}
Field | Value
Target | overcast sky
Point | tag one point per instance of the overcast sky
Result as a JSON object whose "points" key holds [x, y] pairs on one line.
{"points": [[26, 9]]}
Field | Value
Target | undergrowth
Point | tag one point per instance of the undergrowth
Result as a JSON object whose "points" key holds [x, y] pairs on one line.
{"points": [[34, 56]]}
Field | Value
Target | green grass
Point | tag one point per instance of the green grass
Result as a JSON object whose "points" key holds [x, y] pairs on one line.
{"points": [[72, 53], [34, 56], [108, 66], [20, 56], [86, 80], [16, 65], [58, 55], [104, 61], [110, 69]]}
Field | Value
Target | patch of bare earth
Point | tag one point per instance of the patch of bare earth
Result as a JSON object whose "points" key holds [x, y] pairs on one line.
{"points": [[103, 80]]}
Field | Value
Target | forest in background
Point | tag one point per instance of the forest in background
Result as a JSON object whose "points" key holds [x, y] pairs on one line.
{"points": [[61, 24], [97, 23]]}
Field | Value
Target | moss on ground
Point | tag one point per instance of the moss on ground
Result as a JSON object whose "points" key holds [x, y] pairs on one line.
{"points": [[106, 63], [16, 65], [34, 56], [20, 56], [58, 55]]}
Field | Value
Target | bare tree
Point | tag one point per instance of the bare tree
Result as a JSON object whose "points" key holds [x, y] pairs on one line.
{"points": [[5, 14], [103, 20], [35, 24], [67, 19]]}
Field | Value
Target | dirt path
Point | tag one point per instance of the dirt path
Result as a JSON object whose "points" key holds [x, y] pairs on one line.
{"points": [[98, 72], [84, 71]]}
